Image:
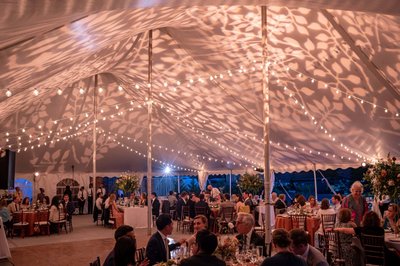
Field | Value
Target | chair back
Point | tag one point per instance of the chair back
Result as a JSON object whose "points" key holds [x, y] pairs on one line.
{"points": [[228, 214], [61, 213], [200, 210], [96, 262], [332, 244], [328, 221], [299, 221], [18, 217], [245, 208], [140, 255], [42, 215], [373, 248], [185, 212], [165, 206]]}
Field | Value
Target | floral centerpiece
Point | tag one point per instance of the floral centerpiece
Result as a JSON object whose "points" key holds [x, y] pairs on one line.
{"points": [[128, 183], [384, 178], [250, 183], [227, 248]]}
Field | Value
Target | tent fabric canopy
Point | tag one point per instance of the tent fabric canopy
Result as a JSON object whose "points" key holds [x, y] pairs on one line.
{"points": [[333, 75]]}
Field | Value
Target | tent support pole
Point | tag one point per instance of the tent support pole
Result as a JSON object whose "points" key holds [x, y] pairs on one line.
{"points": [[149, 133], [94, 140], [179, 184], [315, 183], [265, 87]]}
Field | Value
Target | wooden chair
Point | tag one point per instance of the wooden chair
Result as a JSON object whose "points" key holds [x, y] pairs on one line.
{"points": [[299, 221], [140, 255], [328, 223], [42, 221], [96, 262], [374, 249], [99, 217], [61, 222], [185, 221], [334, 252], [19, 223], [227, 216], [112, 220], [200, 210]]}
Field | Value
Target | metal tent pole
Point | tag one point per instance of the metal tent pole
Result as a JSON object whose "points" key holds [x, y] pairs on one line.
{"points": [[149, 133], [315, 182], [94, 139], [265, 87]]}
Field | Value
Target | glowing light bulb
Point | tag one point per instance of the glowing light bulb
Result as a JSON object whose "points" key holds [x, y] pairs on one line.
{"points": [[8, 93], [36, 92]]}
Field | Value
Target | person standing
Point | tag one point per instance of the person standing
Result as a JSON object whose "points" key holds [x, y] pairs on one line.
{"points": [[82, 195], [155, 205], [90, 198], [41, 196], [356, 202]]}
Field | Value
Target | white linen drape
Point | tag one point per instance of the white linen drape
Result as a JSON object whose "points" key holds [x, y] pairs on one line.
{"points": [[203, 176]]}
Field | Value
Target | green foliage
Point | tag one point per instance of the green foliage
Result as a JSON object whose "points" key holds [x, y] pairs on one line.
{"points": [[251, 183], [129, 183], [384, 178]]}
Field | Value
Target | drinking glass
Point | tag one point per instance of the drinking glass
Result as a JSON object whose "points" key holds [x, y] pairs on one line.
{"points": [[260, 250]]}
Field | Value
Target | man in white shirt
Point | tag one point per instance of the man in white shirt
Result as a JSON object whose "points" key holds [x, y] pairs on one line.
{"points": [[336, 202], [102, 190], [82, 196]]}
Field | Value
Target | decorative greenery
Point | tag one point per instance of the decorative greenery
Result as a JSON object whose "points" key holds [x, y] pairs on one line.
{"points": [[384, 178], [129, 183], [227, 250], [251, 183]]}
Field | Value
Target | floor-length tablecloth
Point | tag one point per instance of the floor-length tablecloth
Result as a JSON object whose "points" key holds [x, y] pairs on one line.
{"points": [[136, 217], [312, 225]]}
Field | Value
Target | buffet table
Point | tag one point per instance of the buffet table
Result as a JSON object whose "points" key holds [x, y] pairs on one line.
{"points": [[136, 216]]}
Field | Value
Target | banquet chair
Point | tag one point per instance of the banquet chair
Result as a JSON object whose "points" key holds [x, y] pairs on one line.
{"points": [[185, 221], [373, 248], [19, 223], [99, 217], [96, 262], [200, 210], [328, 223], [42, 221], [140, 255], [112, 220], [61, 222], [332, 244], [227, 216], [299, 221]]}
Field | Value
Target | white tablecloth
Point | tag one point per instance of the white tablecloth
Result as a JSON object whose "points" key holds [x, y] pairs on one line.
{"points": [[136, 217], [391, 240], [4, 249], [261, 210]]}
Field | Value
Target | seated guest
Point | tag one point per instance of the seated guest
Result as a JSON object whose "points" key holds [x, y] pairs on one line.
{"points": [[247, 200], [158, 248], [26, 204], [325, 209], [238, 203], [124, 251], [143, 199], [206, 243], [192, 202], [336, 202], [247, 237], [301, 247], [14, 205], [391, 217], [5, 213], [54, 214], [344, 221], [226, 203], [203, 204], [300, 201], [155, 204], [200, 222], [116, 213], [283, 256], [123, 230], [280, 205], [68, 206], [312, 203]]}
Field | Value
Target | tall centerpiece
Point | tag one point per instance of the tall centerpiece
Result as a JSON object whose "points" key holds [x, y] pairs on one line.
{"points": [[384, 178], [251, 183], [129, 183]]}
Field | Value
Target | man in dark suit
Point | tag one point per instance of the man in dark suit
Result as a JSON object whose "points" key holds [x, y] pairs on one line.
{"points": [[247, 237], [158, 248], [69, 207], [155, 204], [206, 244], [247, 200], [283, 256], [300, 247]]}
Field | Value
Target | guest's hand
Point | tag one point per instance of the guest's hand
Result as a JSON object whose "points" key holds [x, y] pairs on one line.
{"points": [[182, 241], [145, 262]]}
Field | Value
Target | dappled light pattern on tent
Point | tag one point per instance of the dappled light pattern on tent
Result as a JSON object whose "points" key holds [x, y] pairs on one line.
{"points": [[333, 76]]}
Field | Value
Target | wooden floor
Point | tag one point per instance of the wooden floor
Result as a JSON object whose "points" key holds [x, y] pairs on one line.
{"points": [[83, 245]]}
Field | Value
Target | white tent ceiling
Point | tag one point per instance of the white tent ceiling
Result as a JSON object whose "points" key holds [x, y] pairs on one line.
{"points": [[334, 77]]}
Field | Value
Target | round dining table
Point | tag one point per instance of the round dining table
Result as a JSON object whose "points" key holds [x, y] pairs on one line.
{"points": [[312, 224]]}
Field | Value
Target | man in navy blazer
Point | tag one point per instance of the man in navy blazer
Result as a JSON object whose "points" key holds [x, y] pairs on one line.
{"points": [[156, 250]]}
